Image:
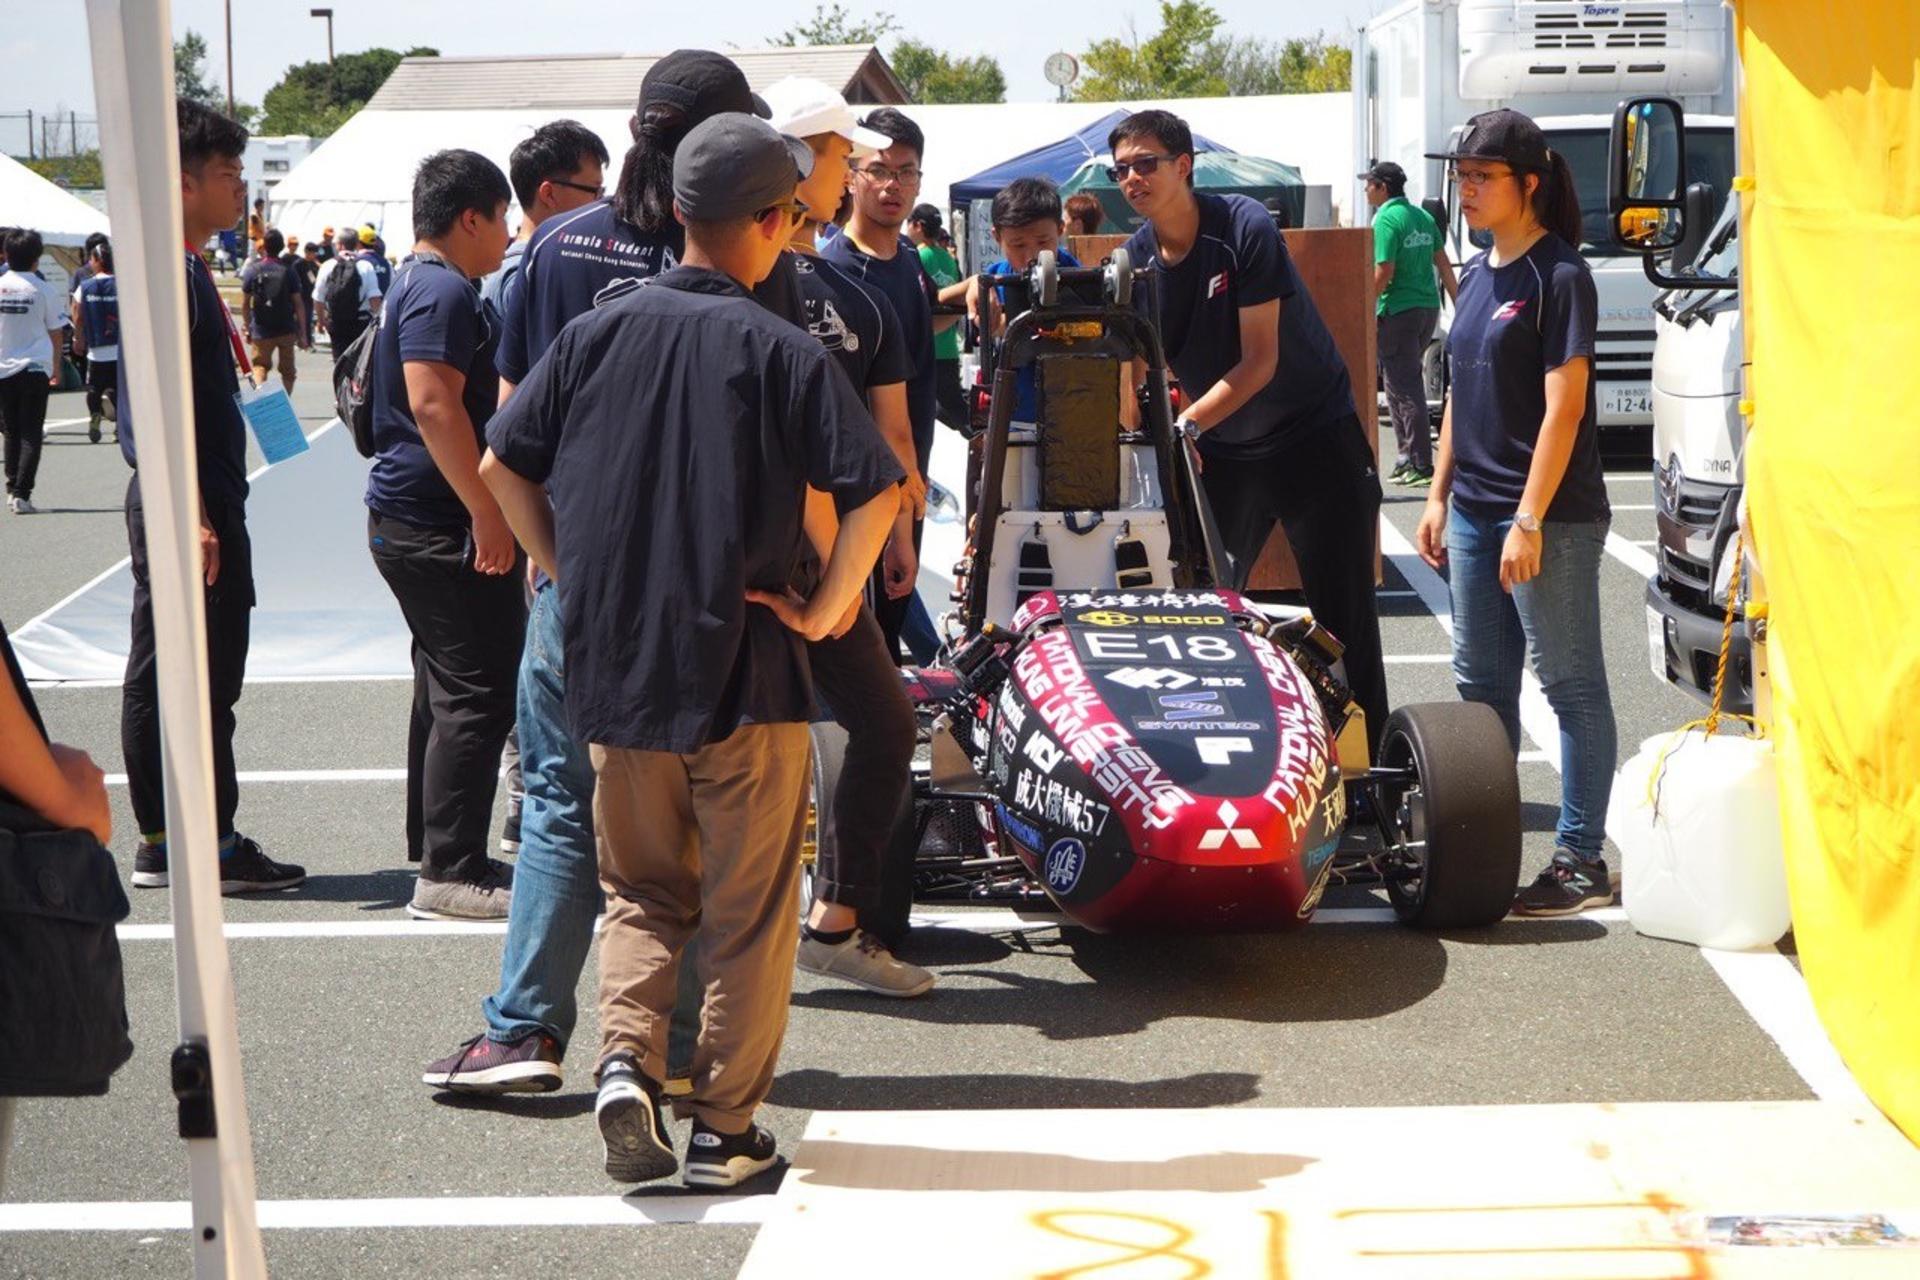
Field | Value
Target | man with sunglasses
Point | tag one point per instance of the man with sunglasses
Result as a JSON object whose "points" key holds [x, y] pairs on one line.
{"points": [[1268, 400], [872, 248]]}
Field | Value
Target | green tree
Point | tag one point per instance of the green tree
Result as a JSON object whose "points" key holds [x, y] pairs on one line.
{"points": [[1250, 65], [1170, 64], [192, 82], [81, 171], [931, 76], [832, 24], [316, 99]]}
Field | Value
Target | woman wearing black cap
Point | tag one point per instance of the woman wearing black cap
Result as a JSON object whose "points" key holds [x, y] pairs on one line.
{"points": [[1520, 459]]}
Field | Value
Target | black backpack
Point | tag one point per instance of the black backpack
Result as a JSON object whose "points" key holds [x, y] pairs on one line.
{"points": [[353, 372], [273, 289], [341, 292]]}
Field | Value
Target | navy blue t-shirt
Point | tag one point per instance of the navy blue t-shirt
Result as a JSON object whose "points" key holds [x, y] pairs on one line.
{"points": [[100, 313], [676, 430], [575, 262], [1240, 260], [432, 314], [1511, 325], [906, 285], [220, 432], [854, 321], [1027, 406]]}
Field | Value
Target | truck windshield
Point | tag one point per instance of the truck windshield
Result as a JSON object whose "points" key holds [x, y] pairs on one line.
{"points": [[1709, 160]]}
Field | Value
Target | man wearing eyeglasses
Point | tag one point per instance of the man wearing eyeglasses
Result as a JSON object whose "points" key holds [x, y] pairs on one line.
{"points": [[1268, 400], [561, 166], [872, 248]]}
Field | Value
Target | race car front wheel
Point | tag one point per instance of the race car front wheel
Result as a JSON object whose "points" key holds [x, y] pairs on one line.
{"points": [[1454, 860]]}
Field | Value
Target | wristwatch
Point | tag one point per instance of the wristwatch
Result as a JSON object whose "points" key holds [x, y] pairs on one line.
{"points": [[1187, 427], [1526, 522]]}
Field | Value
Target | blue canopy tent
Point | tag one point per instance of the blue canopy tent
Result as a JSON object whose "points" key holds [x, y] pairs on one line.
{"points": [[1056, 160]]}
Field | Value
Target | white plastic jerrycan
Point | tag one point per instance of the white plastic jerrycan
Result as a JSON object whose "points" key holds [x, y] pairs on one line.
{"points": [[1708, 869]]}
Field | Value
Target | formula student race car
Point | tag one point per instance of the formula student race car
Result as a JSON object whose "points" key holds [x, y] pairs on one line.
{"points": [[1109, 727]]}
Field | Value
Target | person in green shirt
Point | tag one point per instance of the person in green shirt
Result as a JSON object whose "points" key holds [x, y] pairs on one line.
{"points": [[1410, 267], [923, 228]]}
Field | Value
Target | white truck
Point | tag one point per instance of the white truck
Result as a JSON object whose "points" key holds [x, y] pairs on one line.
{"points": [[1422, 67]]}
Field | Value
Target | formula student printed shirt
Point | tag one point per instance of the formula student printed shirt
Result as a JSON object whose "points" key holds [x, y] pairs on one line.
{"points": [[575, 262], [1511, 324], [98, 298], [1241, 260]]}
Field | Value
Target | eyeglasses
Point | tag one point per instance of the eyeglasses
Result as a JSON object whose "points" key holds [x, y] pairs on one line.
{"points": [[881, 175], [596, 192], [1476, 178], [1144, 166]]}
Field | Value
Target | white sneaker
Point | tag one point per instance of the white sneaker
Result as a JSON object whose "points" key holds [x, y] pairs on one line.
{"points": [[20, 506], [864, 961]]}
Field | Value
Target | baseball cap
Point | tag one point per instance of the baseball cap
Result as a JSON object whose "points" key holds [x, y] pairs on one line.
{"points": [[1502, 134], [803, 107], [734, 164], [368, 235], [701, 84], [1385, 171]]}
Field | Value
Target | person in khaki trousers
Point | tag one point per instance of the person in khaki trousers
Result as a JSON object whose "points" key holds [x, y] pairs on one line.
{"points": [[658, 463]]}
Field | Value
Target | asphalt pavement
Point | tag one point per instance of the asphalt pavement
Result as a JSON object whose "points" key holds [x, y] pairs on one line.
{"points": [[336, 1028]]}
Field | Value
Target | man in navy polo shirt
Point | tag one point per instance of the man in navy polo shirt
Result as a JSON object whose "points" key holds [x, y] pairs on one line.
{"points": [[1268, 399], [672, 519], [213, 194], [437, 535]]}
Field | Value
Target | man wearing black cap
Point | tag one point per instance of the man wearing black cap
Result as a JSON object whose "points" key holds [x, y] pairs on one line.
{"points": [[1406, 254], [655, 462]]}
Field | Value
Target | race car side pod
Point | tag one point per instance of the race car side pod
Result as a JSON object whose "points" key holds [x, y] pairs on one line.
{"points": [[1315, 650]]}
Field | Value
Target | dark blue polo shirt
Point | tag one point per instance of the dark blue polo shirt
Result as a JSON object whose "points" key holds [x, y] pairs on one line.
{"points": [[1240, 260], [1511, 325], [907, 286], [676, 429], [220, 433], [854, 322], [433, 314], [575, 261]]}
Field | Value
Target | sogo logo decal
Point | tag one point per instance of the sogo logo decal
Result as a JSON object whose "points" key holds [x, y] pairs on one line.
{"points": [[1108, 618]]}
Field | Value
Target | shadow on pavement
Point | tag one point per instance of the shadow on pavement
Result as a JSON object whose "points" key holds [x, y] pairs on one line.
{"points": [[372, 891], [877, 1167], [819, 1090]]}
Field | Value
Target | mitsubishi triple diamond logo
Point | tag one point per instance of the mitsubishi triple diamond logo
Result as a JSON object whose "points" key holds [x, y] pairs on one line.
{"points": [[1227, 830]]}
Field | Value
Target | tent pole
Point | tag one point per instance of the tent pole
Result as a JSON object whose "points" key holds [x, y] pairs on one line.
{"points": [[139, 152]]}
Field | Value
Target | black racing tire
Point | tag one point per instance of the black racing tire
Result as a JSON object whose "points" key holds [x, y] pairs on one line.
{"points": [[1046, 279], [1465, 804], [829, 758], [1120, 278]]}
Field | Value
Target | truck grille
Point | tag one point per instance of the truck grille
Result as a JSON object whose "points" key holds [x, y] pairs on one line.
{"points": [[1688, 580]]}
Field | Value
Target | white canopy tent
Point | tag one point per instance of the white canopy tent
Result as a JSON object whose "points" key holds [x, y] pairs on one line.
{"points": [[29, 200], [364, 172]]}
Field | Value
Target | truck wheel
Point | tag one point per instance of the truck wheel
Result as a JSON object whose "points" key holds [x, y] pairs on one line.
{"points": [[1456, 823], [829, 757], [1046, 279], [1120, 278]]}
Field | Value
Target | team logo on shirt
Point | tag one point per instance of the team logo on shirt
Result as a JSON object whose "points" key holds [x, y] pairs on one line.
{"points": [[1217, 285], [1510, 310], [834, 333]]}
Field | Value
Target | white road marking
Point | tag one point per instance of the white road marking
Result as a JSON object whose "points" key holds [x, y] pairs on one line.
{"points": [[418, 1211], [1417, 659], [300, 775], [1632, 506], [1776, 997], [251, 680], [1633, 555]]}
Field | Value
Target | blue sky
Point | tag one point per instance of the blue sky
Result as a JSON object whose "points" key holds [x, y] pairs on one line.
{"points": [[48, 67]]}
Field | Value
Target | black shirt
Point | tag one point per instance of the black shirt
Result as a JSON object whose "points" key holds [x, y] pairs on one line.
{"points": [[676, 430], [1511, 325], [434, 315], [854, 322], [1240, 260], [220, 433], [905, 284]]}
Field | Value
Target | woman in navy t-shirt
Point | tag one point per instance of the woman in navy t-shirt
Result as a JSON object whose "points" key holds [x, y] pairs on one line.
{"points": [[1520, 458]]}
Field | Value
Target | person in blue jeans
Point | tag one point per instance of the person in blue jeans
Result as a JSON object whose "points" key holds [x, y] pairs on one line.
{"points": [[1520, 459]]}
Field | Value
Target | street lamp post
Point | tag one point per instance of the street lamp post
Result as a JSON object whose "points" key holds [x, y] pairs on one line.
{"points": [[328, 15]]}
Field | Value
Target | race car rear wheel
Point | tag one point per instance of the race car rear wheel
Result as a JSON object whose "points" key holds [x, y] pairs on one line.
{"points": [[1046, 279], [1456, 822], [829, 758], [1120, 278]]}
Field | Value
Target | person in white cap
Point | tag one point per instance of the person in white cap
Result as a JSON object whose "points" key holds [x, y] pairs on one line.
{"points": [[859, 908]]}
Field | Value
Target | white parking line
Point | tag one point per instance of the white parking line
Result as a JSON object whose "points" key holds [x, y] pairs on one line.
{"points": [[659, 1209], [1417, 659], [1632, 506], [1776, 996], [1633, 555]]}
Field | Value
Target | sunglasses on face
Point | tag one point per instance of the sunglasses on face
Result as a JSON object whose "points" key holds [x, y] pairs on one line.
{"points": [[1145, 166], [795, 211]]}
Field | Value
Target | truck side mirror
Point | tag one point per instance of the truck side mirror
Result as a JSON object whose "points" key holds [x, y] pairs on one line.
{"points": [[1436, 208], [1647, 159]]}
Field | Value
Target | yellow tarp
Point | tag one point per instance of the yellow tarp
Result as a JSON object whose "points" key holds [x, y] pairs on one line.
{"points": [[1831, 121]]}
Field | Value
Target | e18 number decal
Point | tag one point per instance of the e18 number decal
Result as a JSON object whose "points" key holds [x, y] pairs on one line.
{"points": [[1127, 646]]}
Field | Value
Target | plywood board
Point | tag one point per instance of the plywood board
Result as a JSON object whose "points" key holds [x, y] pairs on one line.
{"points": [[1576, 1192]]}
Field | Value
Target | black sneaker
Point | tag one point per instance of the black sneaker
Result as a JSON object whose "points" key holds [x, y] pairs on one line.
{"points": [[1567, 887], [633, 1131], [716, 1159], [150, 866], [249, 870], [530, 1064], [93, 429], [510, 833]]}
